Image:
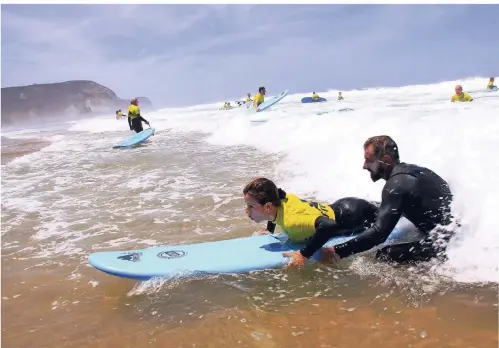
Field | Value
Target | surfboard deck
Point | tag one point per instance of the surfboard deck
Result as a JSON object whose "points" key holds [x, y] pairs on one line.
{"points": [[136, 139], [483, 90], [335, 110], [258, 252], [267, 104], [307, 100]]}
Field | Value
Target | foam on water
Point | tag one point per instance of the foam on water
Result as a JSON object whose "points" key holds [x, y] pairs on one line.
{"points": [[320, 156], [324, 153]]}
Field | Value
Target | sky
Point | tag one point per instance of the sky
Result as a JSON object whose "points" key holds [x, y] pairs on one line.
{"points": [[180, 55]]}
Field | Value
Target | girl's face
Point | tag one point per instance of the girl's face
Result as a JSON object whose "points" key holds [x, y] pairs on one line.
{"points": [[256, 211]]}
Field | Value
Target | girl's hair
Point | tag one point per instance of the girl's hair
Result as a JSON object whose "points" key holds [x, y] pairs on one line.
{"points": [[263, 191]]}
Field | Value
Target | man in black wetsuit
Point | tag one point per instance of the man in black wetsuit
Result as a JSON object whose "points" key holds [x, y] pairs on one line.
{"points": [[414, 192]]}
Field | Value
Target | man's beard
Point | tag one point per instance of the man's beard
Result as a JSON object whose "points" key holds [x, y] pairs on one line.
{"points": [[376, 176], [376, 172]]}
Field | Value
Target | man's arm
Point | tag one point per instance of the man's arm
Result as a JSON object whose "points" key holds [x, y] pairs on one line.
{"points": [[389, 214]]}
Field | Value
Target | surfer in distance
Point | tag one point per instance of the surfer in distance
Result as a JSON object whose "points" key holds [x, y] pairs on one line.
{"points": [[460, 96], [490, 85], [119, 114], [259, 98]]}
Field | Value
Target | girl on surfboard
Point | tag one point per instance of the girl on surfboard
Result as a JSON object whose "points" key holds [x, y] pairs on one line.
{"points": [[303, 221]]}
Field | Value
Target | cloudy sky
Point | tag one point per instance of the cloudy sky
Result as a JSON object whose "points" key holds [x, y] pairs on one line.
{"points": [[181, 55]]}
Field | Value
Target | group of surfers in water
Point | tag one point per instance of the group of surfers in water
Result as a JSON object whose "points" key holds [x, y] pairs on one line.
{"points": [[461, 96], [414, 192], [259, 98], [135, 119]]}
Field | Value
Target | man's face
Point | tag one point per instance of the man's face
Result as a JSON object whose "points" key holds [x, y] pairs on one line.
{"points": [[373, 164]]}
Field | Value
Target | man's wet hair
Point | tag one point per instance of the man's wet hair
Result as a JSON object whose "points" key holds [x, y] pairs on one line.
{"points": [[383, 145]]}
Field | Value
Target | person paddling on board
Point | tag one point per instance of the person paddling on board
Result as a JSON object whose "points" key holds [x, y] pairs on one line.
{"points": [[315, 96], [415, 192], [300, 219], [259, 98], [461, 96], [490, 85], [340, 97], [134, 118]]}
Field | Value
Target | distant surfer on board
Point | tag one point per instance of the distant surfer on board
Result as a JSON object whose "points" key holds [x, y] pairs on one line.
{"points": [[490, 85], [259, 98], [340, 97], [460, 96], [134, 118], [416, 193], [300, 219], [315, 97]]}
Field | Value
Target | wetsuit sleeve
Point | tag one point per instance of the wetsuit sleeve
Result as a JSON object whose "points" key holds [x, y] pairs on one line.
{"points": [[388, 216], [325, 228], [130, 122], [143, 119], [270, 226]]}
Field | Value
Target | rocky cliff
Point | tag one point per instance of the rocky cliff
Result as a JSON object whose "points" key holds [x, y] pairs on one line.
{"points": [[69, 100]]}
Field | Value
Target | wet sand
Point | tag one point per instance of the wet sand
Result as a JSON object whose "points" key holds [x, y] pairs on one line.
{"points": [[40, 309], [13, 148]]}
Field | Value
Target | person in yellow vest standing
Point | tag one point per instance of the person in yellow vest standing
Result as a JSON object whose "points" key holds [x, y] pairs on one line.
{"points": [[134, 117]]}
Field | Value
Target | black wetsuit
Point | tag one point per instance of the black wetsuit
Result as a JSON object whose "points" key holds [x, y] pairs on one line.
{"points": [[414, 192], [136, 123]]}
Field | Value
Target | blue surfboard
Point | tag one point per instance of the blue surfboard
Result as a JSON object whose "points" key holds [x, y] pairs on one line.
{"points": [[306, 100], [136, 139], [258, 252], [483, 90], [268, 103]]}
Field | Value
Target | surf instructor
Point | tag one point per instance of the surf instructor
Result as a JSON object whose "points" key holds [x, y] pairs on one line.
{"points": [[259, 98], [414, 192], [134, 118]]}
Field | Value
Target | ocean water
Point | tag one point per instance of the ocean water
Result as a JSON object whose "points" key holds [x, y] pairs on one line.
{"points": [[78, 195]]}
